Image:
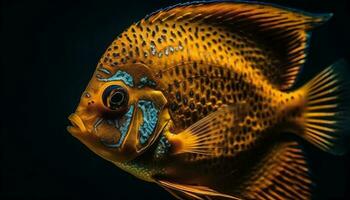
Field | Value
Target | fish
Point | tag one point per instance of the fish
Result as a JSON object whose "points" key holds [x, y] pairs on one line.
{"points": [[201, 99]]}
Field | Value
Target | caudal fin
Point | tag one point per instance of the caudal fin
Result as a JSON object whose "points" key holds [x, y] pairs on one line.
{"points": [[327, 117]]}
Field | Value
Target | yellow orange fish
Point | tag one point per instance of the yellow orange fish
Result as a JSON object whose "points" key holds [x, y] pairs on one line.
{"points": [[199, 99]]}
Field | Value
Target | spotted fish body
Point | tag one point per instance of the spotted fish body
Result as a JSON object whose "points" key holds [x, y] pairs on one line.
{"points": [[197, 98]]}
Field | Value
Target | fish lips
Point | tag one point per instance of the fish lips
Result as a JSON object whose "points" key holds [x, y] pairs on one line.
{"points": [[77, 124]]}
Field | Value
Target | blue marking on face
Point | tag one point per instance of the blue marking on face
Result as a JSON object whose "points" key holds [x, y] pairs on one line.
{"points": [[144, 81], [124, 125], [150, 119], [104, 70], [162, 147], [120, 76]]}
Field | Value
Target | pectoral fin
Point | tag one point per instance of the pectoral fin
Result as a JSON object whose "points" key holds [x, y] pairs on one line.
{"points": [[181, 191], [204, 136]]}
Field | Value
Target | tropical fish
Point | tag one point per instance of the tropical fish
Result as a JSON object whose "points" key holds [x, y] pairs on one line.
{"points": [[200, 98]]}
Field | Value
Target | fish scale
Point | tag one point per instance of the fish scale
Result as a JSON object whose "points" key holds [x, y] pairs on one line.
{"points": [[197, 47], [210, 84], [214, 65], [215, 90], [206, 41]]}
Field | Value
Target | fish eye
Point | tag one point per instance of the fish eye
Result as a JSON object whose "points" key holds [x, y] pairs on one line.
{"points": [[115, 98]]}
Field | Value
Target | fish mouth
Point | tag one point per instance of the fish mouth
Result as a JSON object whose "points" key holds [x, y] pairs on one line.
{"points": [[77, 124]]}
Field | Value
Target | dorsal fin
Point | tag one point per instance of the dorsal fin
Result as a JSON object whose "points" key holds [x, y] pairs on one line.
{"points": [[281, 31]]}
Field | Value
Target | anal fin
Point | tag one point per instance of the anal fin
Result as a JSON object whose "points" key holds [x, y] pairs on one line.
{"points": [[282, 174]]}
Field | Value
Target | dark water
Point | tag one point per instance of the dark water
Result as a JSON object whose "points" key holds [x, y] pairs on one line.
{"points": [[49, 51]]}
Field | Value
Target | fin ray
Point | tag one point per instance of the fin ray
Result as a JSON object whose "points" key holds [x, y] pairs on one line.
{"points": [[194, 191], [281, 174], [202, 136], [327, 109]]}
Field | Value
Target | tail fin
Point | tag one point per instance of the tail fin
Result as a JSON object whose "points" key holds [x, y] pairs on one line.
{"points": [[327, 109]]}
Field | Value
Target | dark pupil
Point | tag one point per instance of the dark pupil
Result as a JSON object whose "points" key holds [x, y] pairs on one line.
{"points": [[117, 99]]}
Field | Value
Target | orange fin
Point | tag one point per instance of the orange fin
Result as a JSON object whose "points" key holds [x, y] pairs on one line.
{"points": [[281, 30], [281, 174], [203, 136], [195, 192], [327, 109]]}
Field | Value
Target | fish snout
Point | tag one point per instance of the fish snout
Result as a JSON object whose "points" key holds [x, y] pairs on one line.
{"points": [[77, 124]]}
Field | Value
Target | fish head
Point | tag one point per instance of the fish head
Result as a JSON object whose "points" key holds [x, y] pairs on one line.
{"points": [[121, 112]]}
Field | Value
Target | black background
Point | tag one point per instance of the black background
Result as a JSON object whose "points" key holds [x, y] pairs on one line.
{"points": [[49, 52]]}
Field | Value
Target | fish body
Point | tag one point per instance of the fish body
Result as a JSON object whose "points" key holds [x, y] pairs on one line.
{"points": [[198, 98]]}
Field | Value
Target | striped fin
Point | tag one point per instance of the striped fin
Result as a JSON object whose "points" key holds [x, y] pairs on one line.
{"points": [[282, 174], [282, 31], [203, 136], [327, 109], [195, 192]]}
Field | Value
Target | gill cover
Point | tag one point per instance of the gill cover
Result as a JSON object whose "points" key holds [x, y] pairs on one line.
{"points": [[146, 116]]}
